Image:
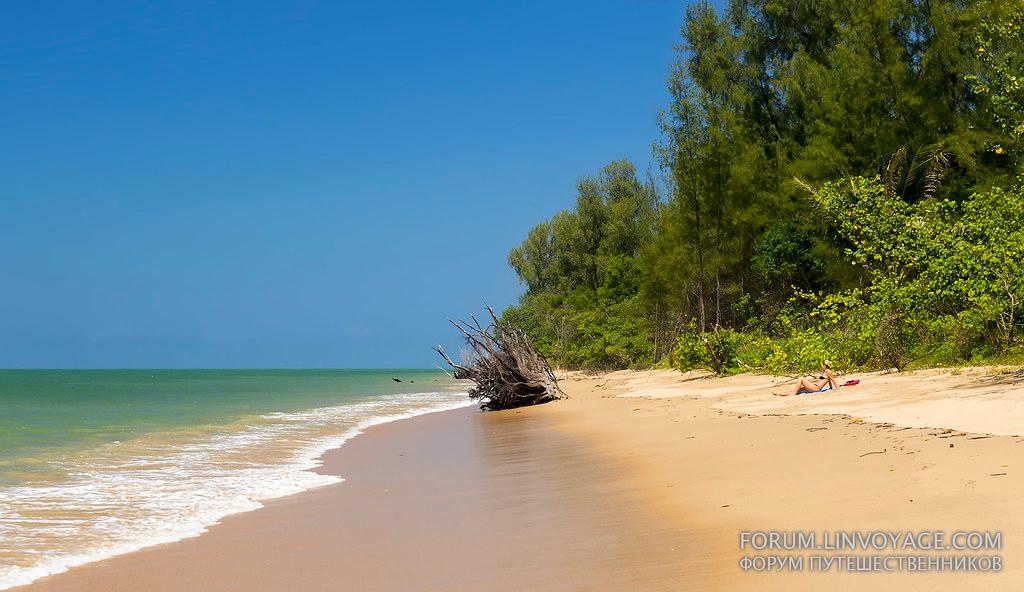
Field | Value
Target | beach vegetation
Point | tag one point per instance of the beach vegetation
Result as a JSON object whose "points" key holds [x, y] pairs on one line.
{"points": [[715, 350], [583, 276], [837, 180]]}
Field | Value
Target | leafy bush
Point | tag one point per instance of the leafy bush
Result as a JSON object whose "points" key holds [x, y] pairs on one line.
{"points": [[752, 349], [714, 350], [689, 352], [999, 40], [941, 275]]}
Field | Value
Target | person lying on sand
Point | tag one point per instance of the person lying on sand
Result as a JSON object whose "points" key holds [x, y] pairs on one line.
{"points": [[824, 383]]}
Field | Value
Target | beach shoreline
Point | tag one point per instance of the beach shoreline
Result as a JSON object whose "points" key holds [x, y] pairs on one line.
{"points": [[639, 479], [99, 464]]}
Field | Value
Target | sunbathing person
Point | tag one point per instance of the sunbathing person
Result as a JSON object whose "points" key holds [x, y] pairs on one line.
{"points": [[824, 383]]}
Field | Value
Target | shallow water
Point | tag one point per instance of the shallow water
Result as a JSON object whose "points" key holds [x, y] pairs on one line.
{"points": [[99, 462]]}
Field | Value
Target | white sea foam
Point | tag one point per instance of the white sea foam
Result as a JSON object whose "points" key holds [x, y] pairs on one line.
{"points": [[131, 495]]}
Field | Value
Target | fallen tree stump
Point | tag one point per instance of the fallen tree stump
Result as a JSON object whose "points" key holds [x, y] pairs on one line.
{"points": [[505, 368]]}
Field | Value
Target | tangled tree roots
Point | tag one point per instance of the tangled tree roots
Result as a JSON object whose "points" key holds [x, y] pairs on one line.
{"points": [[506, 369]]}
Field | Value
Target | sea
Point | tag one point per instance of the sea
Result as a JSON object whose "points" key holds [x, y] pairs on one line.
{"points": [[96, 463]]}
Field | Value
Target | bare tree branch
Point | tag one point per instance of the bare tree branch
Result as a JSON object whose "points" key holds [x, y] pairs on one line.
{"points": [[507, 371]]}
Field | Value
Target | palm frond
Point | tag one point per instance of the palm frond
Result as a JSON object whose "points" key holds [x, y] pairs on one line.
{"points": [[915, 172]]}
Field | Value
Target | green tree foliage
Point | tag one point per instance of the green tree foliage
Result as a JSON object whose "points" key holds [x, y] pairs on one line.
{"points": [[783, 259], [582, 303], [714, 350], [1000, 77], [841, 183], [941, 273]]}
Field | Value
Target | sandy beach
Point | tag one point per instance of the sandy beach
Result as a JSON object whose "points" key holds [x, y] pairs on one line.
{"points": [[486, 296], [639, 481]]}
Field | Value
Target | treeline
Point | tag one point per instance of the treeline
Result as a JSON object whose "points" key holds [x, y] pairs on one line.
{"points": [[838, 179]]}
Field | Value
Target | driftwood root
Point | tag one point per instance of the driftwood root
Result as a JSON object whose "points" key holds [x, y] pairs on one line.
{"points": [[506, 370]]}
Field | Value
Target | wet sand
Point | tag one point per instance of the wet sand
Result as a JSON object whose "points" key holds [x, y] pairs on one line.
{"points": [[449, 501], [639, 481]]}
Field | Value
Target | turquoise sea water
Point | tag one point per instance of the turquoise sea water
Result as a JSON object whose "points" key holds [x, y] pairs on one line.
{"points": [[100, 462]]}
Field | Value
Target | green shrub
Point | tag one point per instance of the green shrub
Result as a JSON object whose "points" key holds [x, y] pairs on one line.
{"points": [[752, 349], [714, 350], [801, 352]]}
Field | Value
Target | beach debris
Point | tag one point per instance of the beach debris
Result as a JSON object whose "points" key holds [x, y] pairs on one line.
{"points": [[882, 451], [395, 379], [815, 429], [951, 445], [507, 370], [996, 474]]}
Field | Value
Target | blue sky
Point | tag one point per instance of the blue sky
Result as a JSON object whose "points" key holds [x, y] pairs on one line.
{"points": [[300, 184]]}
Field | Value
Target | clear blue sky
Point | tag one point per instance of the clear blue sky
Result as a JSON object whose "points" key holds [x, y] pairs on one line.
{"points": [[297, 184]]}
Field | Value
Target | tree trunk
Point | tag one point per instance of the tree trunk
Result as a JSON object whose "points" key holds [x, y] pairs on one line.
{"points": [[718, 299], [504, 366]]}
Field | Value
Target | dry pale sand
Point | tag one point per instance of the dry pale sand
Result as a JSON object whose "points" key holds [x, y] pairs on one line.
{"points": [[978, 400], [639, 481], [733, 457]]}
